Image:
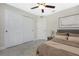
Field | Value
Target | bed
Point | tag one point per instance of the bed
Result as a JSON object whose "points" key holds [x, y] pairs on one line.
{"points": [[60, 46]]}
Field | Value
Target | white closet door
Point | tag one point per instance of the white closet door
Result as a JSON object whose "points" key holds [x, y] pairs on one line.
{"points": [[18, 29], [28, 28], [41, 31]]}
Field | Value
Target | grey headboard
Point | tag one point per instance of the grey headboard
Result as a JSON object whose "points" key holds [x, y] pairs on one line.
{"points": [[68, 31]]}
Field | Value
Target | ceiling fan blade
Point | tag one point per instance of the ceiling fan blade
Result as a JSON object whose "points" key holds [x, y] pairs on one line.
{"points": [[48, 6], [42, 10], [34, 7]]}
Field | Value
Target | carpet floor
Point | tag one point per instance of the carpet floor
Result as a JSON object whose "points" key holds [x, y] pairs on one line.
{"points": [[25, 49]]}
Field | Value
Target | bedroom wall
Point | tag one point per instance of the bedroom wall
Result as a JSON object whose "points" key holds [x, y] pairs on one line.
{"points": [[52, 20]]}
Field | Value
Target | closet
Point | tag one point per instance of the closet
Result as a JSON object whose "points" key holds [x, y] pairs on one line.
{"points": [[17, 28]]}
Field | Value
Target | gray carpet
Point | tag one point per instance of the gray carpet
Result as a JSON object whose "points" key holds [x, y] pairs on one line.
{"points": [[26, 49]]}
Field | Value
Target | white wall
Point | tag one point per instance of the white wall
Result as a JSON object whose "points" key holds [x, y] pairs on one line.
{"points": [[52, 20]]}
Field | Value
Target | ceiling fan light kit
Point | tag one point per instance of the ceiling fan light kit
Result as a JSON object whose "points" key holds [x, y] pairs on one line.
{"points": [[42, 6]]}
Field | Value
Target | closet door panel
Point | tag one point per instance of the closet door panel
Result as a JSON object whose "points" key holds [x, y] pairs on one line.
{"points": [[28, 29], [18, 28], [13, 28]]}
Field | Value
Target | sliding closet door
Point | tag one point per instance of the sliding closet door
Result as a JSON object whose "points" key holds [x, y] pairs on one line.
{"points": [[18, 29]]}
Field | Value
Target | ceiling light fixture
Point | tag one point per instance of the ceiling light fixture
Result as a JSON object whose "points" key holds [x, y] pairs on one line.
{"points": [[41, 7]]}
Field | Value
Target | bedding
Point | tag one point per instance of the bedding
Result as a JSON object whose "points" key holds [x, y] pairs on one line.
{"points": [[64, 35], [58, 47], [74, 37]]}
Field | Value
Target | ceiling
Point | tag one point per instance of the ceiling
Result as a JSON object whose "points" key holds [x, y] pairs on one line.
{"points": [[26, 7]]}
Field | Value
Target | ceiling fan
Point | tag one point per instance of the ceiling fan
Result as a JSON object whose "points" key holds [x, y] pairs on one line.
{"points": [[42, 6]]}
